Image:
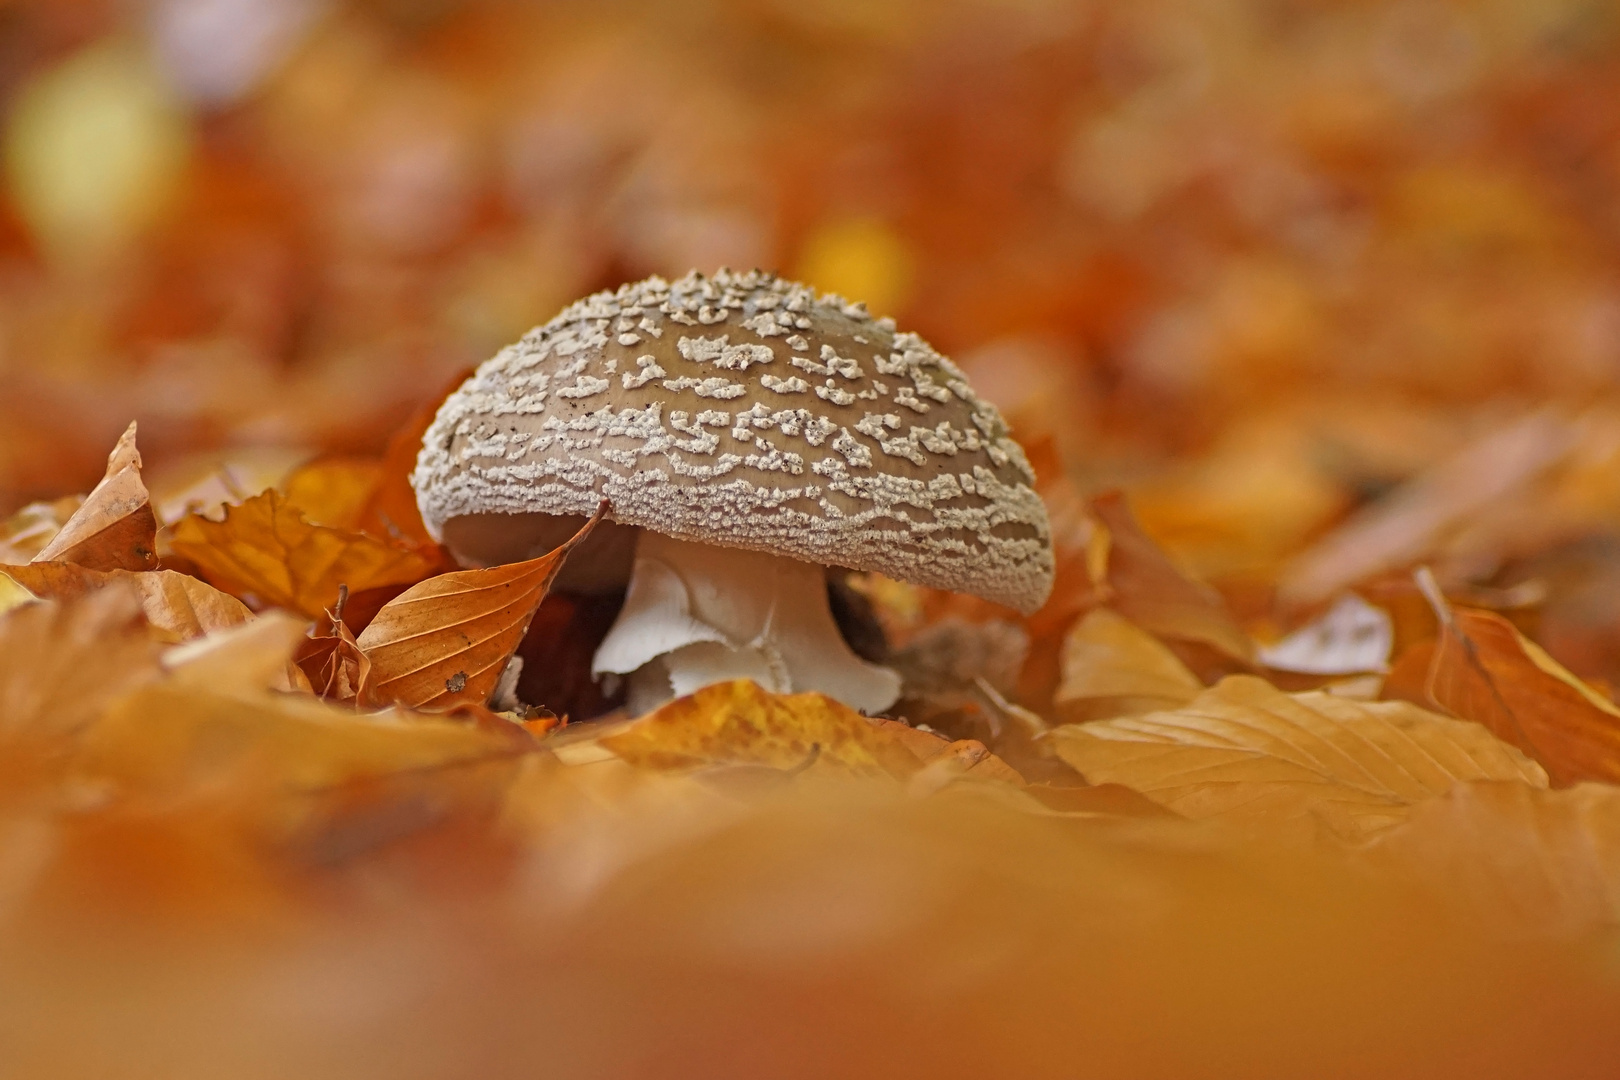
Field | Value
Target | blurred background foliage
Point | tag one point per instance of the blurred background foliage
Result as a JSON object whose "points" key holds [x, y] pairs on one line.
{"points": [[1260, 261]]}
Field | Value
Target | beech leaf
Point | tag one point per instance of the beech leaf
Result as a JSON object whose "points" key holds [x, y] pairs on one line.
{"points": [[741, 723], [115, 528], [1149, 589], [267, 553], [446, 641], [1247, 751], [177, 605], [1482, 669], [1111, 667]]}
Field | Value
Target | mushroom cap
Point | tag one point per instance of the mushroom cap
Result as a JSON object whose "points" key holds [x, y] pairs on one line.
{"points": [[746, 411]]}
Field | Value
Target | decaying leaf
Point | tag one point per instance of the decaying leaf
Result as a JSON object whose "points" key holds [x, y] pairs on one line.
{"points": [[447, 640], [266, 553], [1112, 667], [177, 605], [1523, 859], [248, 658], [740, 723], [115, 528], [1484, 670], [1151, 591], [1246, 751]]}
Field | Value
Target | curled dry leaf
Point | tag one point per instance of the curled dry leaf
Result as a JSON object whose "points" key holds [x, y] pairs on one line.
{"points": [[1524, 860], [248, 658], [446, 641], [1246, 751], [331, 658], [740, 723], [1482, 669], [1112, 667], [267, 553], [177, 606], [115, 528], [1148, 588]]}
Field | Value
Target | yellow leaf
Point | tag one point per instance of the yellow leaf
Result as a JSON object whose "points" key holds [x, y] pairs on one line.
{"points": [[738, 722], [446, 641], [266, 553], [1112, 667], [1247, 751]]}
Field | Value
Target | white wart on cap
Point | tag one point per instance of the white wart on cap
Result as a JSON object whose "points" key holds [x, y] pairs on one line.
{"points": [[744, 411]]}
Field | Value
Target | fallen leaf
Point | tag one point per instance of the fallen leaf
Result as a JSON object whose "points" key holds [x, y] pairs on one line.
{"points": [[266, 553], [1541, 863], [250, 657], [177, 605], [1246, 751], [1406, 525], [333, 491], [331, 658], [25, 533], [1150, 590], [114, 529], [1350, 638], [49, 649], [739, 722], [391, 511], [447, 640], [1112, 667], [1482, 669]]}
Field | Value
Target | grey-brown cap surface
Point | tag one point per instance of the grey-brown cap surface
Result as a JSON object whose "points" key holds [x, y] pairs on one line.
{"points": [[746, 411]]}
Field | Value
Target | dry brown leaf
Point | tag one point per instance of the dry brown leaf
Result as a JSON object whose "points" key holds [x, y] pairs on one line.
{"points": [[446, 641], [267, 554], [61, 663], [740, 723], [331, 657], [115, 528], [177, 605], [1529, 861], [1112, 667], [1151, 591], [248, 658], [1482, 669], [1246, 751]]}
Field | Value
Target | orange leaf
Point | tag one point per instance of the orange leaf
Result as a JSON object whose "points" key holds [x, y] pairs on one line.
{"points": [[740, 723], [46, 651], [115, 528], [333, 491], [267, 553], [1485, 670], [177, 605], [445, 641], [1152, 592], [391, 511], [331, 658]]}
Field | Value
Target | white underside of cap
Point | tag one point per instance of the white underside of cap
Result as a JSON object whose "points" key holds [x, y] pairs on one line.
{"points": [[696, 615]]}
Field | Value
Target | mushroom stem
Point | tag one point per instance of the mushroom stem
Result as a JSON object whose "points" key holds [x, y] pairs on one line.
{"points": [[696, 614]]}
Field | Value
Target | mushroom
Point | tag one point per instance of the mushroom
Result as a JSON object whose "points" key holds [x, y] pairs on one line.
{"points": [[748, 434]]}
